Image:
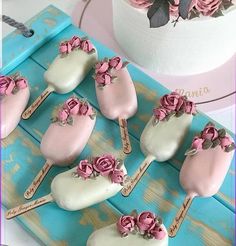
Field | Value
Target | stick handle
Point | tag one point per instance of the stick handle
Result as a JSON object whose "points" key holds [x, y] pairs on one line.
{"points": [[179, 218], [137, 176], [37, 180], [11, 213], [32, 108], [125, 136]]}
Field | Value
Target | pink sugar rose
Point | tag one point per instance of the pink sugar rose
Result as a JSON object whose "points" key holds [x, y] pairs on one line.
{"points": [[103, 79], [116, 63], [141, 4], [146, 221], [225, 141], [210, 132], [157, 232], [207, 7], [73, 105], [75, 42], [174, 8], [85, 109], [101, 67], [117, 176], [172, 101], [105, 164], [125, 224], [197, 143], [63, 115], [87, 46], [190, 107], [85, 169], [160, 113], [65, 47], [7, 85], [21, 83]]}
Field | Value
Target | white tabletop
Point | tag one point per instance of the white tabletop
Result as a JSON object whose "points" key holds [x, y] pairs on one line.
{"points": [[22, 10]]}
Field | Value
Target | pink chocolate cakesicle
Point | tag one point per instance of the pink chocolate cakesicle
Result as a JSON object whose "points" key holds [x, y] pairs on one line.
{"points": [[65, 138], [15, 93], [116, 94], [204, 169], [92, 181], [164, 133], [76, 58]]}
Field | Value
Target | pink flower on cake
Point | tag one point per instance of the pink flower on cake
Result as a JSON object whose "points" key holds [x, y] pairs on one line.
{"points": [[7, 85], [207, 7], [210, 133], [87, 46], [157, 232], [104, 164], [65, 47], [190, 107], [225, 141], [21, 83], [172, 101], [125, 224], [160, 113], [63, 115], [141, 4], [75, 42], [103, 79], [146, 221], [174, 8], [85, 169], [85, 109], [102, 67], [116, 63], [117, 176], [73, 105], [197, 143]]}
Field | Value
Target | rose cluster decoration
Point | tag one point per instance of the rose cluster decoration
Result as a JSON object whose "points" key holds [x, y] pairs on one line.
{"points": [[73, 106], [210, 137], [160, 11], [173, 104], [12, 84], [103, 70], [76, 43], [105, 165], [146, 224]]}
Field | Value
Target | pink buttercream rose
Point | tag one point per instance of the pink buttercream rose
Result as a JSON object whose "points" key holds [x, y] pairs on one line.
{"points": [[210, 132], [197, 143], [73, 105], [85, 109], [63, 114], [117, 176], [7, 85], [87, 46], [75, 42], [173, 101], [160, 113], [104, 164], [21, 83], [65, 47], [141, 4], [157, 232], [102, 67], [125, 224], [174, 8], [225, 141], [190, 107], [146, 221], [207, 7], [103, 79], [85, 169], [116, 62]]}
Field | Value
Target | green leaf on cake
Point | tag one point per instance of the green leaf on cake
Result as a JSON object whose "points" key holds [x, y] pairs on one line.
{"points": [[227, 4], [222, 133], [193, 14], [184, 7], [158, 14], [218, 13], [207, 144], [216, 142]]}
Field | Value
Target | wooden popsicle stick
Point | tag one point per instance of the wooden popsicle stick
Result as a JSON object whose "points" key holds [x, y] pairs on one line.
{"points": [[21, 209], [32, 108], [37, 180], [137, 176], [180, 216], [125, 136]]}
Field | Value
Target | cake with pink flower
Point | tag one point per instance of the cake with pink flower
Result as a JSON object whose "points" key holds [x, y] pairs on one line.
{"points": [[176, 37], [139, 229]]}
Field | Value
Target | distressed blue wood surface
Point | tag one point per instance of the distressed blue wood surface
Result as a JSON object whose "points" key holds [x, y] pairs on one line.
{"points": [[209, 221]]}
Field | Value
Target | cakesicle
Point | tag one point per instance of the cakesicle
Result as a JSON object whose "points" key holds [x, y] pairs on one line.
{"points": [[116, 94], [77, 57], [164, 133], [92, 181], [15, 93], [65, 138], [144, 229], [204, 169]]}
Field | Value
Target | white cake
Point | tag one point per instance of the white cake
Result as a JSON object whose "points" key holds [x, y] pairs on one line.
{"points": [[190, 47]]}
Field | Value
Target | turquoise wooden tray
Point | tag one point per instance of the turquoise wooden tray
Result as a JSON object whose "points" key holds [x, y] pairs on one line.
{"points": [[209, 221]]}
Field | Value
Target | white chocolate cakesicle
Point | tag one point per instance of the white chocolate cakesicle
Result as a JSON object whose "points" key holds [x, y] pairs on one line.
{"points": [[71, 193], [109, 235], [12, 107]]}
